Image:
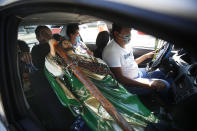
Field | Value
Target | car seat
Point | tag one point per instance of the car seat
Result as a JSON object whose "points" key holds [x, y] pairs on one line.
{"points": [[46, 105]]}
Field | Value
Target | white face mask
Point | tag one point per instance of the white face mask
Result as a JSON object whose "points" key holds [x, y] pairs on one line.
{"points": [[126, 38]]}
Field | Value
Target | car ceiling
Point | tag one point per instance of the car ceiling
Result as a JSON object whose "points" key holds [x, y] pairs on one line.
{"points": [[183, 8], [57, 18]]}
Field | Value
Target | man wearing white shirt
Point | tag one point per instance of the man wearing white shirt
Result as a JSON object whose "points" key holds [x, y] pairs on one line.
{"points": [[121, 61]]}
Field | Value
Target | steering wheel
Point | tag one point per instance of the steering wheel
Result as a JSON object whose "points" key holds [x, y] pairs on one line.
{"points": [[163, 53]]}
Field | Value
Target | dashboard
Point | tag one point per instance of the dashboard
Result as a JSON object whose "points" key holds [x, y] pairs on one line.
{"points": [[182, 68]]}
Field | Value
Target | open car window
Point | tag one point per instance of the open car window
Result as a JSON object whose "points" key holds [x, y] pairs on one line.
{"points": [[34, 98], [57, 89]]}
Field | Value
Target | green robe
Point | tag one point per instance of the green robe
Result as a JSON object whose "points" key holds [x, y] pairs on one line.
{"points": [[73, 95]]}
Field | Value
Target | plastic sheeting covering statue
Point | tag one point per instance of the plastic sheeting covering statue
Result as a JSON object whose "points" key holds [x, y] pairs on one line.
{"points": [[86, 86]]}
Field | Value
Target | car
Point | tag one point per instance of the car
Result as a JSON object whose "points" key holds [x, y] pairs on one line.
{"points": [[40, 108], [55, 29]]}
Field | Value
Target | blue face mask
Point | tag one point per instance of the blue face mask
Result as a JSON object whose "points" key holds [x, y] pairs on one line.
{"points": [[77, 39]]}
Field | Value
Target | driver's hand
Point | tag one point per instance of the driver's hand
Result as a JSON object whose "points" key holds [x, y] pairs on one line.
{"points": [[150, 54], [157, 84]]}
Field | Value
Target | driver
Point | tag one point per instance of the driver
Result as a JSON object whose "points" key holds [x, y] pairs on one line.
{"points": [[121, 61]]}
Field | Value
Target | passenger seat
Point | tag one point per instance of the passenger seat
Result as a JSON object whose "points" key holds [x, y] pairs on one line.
{"points": [[46, 105]]}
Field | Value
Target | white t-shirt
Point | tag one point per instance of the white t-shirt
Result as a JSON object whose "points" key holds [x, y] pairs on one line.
{"points": [[116, 56]]}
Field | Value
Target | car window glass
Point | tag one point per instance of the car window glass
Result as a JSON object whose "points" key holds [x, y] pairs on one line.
{"points": [[89, 31], [142, 40], [27, 34], [56, 29]]}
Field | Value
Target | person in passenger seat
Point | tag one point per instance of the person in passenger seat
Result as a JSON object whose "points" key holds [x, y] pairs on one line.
{"points": [[26, 65], [74, 38], [125, 68], [44, 101], [43, 34]]}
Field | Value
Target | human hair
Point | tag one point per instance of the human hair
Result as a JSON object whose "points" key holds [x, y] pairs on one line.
{"points": [[38, 30], [116, 27], [71, 29], [102, 39], [23, 46]]}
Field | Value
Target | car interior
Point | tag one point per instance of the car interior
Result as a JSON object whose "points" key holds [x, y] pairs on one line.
{"points": [[176, 65], [177, 62]]}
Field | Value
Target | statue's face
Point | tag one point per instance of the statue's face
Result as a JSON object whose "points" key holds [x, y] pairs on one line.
{"points": [[67, 44]]}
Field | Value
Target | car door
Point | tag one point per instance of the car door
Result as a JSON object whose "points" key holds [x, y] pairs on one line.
{"points": [[17, 112], [3, 121], [181, 30]]}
